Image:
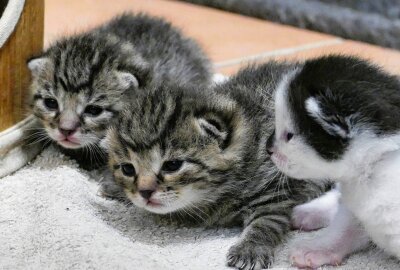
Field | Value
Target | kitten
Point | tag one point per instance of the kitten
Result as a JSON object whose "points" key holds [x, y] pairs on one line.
{"points": [[337, 118], [81, 83], [203, 153]]}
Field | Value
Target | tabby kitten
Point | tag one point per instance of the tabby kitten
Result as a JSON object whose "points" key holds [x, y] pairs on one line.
{"points": [[81, 83], [203, 153]]}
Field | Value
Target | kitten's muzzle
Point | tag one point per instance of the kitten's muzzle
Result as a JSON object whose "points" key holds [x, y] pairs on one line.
{"points": [[147, 186], [68, 126]]}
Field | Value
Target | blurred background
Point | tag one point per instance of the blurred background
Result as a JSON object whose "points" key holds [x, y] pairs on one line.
{"points": [[234, 33], [372, 21]]}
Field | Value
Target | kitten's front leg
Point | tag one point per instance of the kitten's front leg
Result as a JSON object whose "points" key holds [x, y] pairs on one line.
{"points": [[341, 238], [256, 248], [317, 213], [109, 189]]}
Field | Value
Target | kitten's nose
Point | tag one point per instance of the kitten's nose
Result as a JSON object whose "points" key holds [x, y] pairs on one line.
{"points": [[270, 152], [67, 132], [146, 193], [68, 123]]}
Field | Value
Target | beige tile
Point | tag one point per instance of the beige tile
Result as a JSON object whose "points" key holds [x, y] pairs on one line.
{"points": [[224, 35], [231, 69], [387, 58]]}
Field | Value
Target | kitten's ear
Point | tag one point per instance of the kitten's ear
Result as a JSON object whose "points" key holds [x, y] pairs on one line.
{"points": [[38, 64], [332, 122], [213, 126], [127, 79]]}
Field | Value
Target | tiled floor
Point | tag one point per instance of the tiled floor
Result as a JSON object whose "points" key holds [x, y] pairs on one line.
{"points": [[230, 40]]}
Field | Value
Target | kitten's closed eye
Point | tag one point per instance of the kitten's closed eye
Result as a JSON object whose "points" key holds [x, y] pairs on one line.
{"points": [[93, 110]]}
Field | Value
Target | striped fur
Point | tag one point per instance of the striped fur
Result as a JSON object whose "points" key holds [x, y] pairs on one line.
{"points": [[226, 178], [104, 67]]}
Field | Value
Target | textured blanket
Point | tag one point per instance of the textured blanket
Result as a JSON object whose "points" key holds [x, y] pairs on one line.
{"points": [[51, 217], [373, 21]]}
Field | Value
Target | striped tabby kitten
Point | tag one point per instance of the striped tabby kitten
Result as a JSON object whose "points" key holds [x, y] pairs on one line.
{"points": [[81, 83], [204, 153]]}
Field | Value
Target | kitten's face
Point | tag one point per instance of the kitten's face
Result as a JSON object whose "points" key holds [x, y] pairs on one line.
{"points": [[77, 91], [309, 141], [335, 116], [171, 156]]}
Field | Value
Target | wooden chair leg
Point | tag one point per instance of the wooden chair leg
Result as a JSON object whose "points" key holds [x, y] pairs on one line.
{"points": [[25, 41]]}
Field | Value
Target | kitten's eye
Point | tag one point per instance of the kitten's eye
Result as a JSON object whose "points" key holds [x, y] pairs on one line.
{"points": [[172, 165], [51, 103], [128, 169], [289, 136], [93, 110]]}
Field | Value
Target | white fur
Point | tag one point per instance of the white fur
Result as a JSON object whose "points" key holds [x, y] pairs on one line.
{"points": [[283, 116], [369, 173], [375, 201], [317, 213], [342, 237]]}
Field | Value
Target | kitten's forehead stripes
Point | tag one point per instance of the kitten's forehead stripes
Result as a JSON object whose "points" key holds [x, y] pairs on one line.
{"points": [[68, 72], [172, 120], [125, 146], [165, 122]]}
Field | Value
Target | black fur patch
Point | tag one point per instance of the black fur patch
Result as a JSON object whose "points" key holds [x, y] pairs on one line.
{"points": [[345, 88]]}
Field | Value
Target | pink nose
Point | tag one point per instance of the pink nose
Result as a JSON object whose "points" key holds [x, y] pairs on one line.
{"points": [[68, 125], [67, 132]]}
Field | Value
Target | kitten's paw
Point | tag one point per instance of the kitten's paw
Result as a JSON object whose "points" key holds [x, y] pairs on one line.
{"points": [[110, 190], [304, 257], [307, 218], [249, 256]]}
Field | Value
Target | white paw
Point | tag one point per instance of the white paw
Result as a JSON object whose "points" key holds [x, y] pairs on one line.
{"points": [[304, 257]]}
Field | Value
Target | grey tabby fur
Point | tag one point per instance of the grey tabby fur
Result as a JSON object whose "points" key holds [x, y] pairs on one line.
{"points": [[101, 70], [202, 153]]}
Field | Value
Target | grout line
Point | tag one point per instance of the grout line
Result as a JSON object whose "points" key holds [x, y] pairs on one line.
{"points": [[279, 52]]}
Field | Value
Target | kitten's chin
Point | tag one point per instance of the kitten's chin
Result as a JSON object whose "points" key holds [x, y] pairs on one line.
{"points": [[160, 204], [152, 206]]}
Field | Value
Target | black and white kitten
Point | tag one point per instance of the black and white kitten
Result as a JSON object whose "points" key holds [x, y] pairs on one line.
{"points": [[81, 83], [337, 118]]}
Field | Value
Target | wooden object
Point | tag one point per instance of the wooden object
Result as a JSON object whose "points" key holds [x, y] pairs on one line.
{"points": [[25, 41]]}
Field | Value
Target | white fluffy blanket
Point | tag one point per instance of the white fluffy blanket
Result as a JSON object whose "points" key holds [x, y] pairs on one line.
{"points": [[51, 217]]}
